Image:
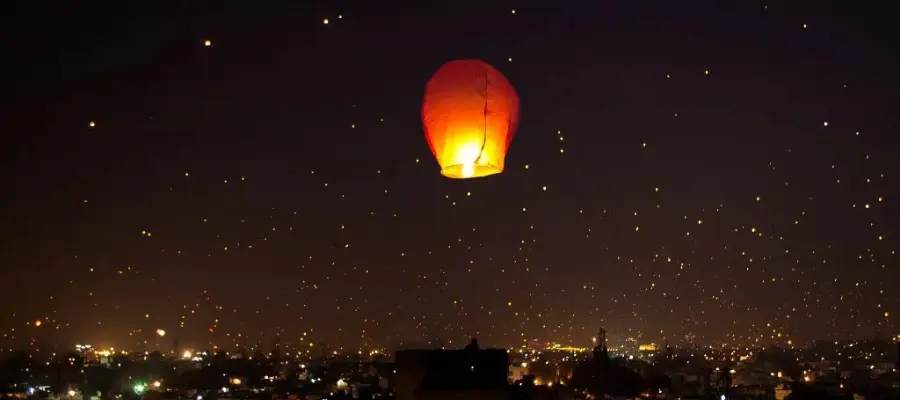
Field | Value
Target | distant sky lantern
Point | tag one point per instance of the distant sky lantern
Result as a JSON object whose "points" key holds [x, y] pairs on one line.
{"points": [[470, 112]]}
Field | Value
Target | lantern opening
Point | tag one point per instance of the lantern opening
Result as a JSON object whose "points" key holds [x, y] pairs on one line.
{"points": [[470, 161], [469, 170]]}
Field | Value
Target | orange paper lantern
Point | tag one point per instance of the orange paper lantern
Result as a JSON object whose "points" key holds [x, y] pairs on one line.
{"points": [[470, 113]]}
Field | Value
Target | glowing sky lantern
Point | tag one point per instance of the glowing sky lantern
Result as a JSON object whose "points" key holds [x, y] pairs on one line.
{"points": [[470, 112]]}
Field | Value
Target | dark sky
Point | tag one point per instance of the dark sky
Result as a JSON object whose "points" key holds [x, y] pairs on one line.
{"points": [[728, 174]]}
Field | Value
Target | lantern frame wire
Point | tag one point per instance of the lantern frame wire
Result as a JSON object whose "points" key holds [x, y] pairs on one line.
{"points": [[487, 85]]}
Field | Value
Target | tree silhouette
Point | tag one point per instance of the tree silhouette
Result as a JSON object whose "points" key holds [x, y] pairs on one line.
{"points": [[657, 380], [101, 379]]}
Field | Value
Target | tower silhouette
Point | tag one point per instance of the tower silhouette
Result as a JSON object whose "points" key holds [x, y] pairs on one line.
{"points": [[601, 351]]}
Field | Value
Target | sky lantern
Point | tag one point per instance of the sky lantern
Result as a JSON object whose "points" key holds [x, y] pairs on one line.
{"points": [[470, 113]]}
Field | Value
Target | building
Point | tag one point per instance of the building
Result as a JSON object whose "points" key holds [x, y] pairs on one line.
{"points": [[472, 373]]}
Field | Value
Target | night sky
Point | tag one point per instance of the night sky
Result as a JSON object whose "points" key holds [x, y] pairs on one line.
{"points": [[696, 171]]}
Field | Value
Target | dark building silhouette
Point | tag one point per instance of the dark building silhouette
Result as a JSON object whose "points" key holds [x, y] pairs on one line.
{"points": [[471, 373]]}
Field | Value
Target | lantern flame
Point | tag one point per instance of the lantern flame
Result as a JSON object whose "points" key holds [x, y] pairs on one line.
{"points": [[468, 169], [468, 155]]}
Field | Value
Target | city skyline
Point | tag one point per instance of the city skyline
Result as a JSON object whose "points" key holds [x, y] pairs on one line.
{"points": [[701, 173]]}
